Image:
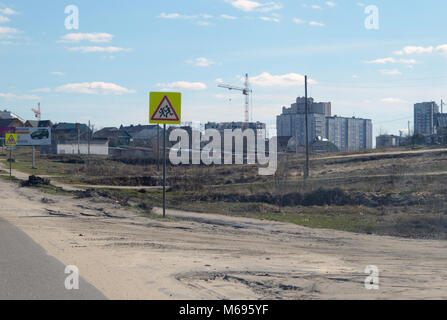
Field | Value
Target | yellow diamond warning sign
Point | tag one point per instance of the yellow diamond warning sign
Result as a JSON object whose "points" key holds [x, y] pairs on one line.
{"points": [[10, 139], [165, 108]]}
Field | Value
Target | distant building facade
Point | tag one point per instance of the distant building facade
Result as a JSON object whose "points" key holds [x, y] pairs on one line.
{"points": [[347, 134], [221, 126], [94, 147], [387, 141], [350, 134], [441, 127], [424, 118], [324, 108]]}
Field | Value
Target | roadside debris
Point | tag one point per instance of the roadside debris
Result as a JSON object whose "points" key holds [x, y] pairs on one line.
{"points": [[34, 181]]}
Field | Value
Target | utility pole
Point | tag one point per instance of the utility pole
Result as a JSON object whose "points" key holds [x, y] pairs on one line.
{"points": [[442, 104], [88, 135], [409, 132], [306, 168], [78, 125]]}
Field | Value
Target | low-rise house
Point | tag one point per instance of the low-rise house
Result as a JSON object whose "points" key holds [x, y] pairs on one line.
{"points": [[69, 131], [116, 137], [143, 136], [387, 141], [11, 123], [38, 124], [5, 115]]}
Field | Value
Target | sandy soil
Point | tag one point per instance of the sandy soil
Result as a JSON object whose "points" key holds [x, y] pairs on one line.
{"points": [[207, 256]]}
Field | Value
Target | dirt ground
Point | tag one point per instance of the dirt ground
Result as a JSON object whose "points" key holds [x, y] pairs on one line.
{"points": [[207, 256]]}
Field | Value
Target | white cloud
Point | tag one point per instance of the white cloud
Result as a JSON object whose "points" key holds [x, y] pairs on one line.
{"points": [[392, 100], [8, 32], [182, 85], [442, 49], [316, 7], [169, 16], [12, 96], [57, 73], [382, 61], [176, 15], [393, 72], [4, 19], [202, 23], [414, 50], [266, 79], [7, 11], [271, 19], [228, 17], [202, 62], [392, 60], [42, 90], [316, 24], [91, 37], [408, 61], [99, 49], [194, 18], [331, 4], [249, 5], [102, 88], [298, 21]]}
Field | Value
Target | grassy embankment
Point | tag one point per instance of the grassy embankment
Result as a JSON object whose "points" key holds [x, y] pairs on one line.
{"points": [[402, 195]]}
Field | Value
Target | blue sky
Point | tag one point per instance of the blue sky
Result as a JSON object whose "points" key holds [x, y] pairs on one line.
{"points": [[104, 70]]}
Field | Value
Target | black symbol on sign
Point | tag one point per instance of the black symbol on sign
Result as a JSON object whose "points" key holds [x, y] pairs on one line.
{"points": [[166, 112]]}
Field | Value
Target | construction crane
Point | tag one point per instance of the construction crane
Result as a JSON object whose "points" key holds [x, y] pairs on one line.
{"points": [[37, 112], [246, 91]]}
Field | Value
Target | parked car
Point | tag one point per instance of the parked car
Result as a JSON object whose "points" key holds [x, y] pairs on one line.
{"points": [[40, 134]]}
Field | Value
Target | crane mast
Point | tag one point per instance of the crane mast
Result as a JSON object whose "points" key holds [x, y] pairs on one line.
{"points": [[37, 112], [246, 91]]}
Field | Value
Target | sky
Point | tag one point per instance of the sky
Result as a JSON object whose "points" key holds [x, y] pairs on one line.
{"points": [[370, 59]]}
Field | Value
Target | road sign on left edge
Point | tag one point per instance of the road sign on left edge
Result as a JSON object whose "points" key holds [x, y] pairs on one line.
{"points": [[165, 108], [10, 139]]}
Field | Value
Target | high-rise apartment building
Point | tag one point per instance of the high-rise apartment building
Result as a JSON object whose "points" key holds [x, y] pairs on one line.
{"points": [[424, 118], [348, 134]]}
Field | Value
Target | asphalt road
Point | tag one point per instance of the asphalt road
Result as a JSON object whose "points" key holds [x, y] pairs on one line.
{"points": [[27, 272]]}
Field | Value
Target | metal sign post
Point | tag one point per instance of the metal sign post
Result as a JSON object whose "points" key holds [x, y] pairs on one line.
{"points": [[164, 171], [10, 142], [165, 108], [34, 158]]}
